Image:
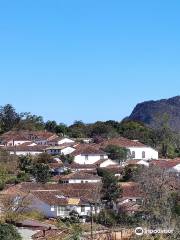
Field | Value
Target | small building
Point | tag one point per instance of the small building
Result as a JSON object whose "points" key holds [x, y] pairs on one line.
{"points": [[55, 204], [131, 199], [106, 162], [60, 141], [13, 138], [80, 177], [58, 150], [56, 200], [25, 149], [88, 154], [137, 149]]}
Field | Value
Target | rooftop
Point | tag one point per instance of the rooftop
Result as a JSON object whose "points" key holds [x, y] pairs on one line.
{"points": [[121, 142]]}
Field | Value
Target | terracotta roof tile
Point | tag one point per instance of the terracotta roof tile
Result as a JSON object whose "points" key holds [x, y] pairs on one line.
{"points": [[121, 142], [80, 175], [88, 149]]}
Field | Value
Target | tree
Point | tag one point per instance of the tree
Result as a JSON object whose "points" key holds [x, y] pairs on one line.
{"points": [[61, 129], [77, 130], [25, 163], [67, 158], [43, 158], [9, 232], [41, 172], [51, 126], [102, 129], [117, 153], [8, 117], [157, 189], [110, 190], [30, 122]]}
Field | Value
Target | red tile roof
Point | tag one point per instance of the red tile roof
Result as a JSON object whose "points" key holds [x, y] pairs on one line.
{"points": [[121, 142], [166, 163], [26, 148], [88, 149], [26, 135], [84, 190], [130, 190], [82, 166], [80, 175]]}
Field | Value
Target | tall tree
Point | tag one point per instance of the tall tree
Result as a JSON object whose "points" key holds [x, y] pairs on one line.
{"points": [[8, 117], [51, 126], [30, 122]]}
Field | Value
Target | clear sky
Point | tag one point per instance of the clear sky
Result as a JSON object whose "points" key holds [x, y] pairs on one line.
{"points": [[88, 59]]}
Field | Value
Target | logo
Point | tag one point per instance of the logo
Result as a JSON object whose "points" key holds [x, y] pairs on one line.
{"points": [[139, 231]]}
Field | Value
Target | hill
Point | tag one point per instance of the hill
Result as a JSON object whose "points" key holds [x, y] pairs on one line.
{"points": [[152, 112]]}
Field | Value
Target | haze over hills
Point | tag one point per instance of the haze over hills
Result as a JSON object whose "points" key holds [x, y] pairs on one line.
{"points": [[151, 112]]}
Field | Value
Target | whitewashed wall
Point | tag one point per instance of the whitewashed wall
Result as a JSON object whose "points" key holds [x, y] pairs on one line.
{"points": [[25, 153], [107, 163], [150, 153], [83, 180], [81, 159], [16, 143], [65, 140]]}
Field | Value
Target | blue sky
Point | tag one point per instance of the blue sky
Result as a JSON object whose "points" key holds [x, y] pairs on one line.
{"points": [[88, 59]]}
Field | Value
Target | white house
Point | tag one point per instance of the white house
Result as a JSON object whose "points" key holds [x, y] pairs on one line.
{"points": [[80, 177], [137, 162], [65, 140], [131, 198], [106, 163], [60, 141], [53, 204], [145, 153], [88, 154], [25, 149], [137, 149], [176, 168], [57, 200], [58, 150], [13, 138]]}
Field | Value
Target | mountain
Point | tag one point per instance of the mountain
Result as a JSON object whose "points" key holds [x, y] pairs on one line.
{"points": [[152, 112]]}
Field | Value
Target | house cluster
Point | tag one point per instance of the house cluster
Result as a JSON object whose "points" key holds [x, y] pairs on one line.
{"points": [[80, 189]]}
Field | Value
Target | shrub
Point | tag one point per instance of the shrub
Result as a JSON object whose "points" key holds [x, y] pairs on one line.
{"points": [[9, 232]]}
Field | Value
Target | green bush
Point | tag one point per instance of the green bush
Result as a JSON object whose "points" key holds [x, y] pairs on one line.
{"points": [[2, 185], [9, 232], [106, 217]]}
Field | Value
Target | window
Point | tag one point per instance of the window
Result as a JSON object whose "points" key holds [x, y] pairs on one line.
{"points": [[101, 157], [82, 208], [133, 154], [143, 154], [86, 157], [60, 210], [52, 208]]}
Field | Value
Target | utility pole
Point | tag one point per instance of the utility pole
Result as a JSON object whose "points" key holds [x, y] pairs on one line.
{"points": [[91, 207]]}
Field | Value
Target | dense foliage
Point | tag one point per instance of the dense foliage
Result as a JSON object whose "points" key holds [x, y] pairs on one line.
{"points": [[9, 232]]}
